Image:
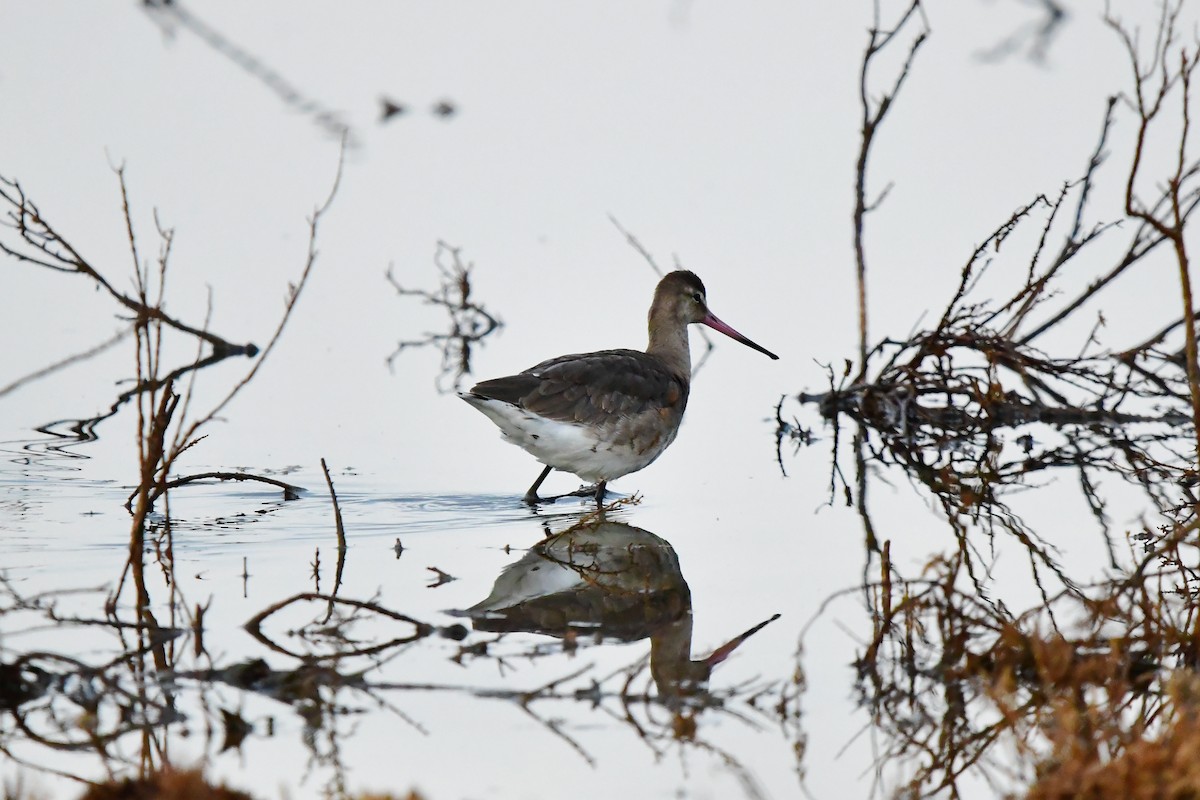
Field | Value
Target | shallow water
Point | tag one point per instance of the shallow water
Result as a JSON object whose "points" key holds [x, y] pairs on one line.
{"points": [[581, 709]]}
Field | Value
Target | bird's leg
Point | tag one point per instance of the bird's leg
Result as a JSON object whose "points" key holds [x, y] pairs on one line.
{"points": [[531, 496], [600, 492]]}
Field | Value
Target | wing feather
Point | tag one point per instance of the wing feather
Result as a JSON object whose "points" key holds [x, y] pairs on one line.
{"points": [[591, 388]]}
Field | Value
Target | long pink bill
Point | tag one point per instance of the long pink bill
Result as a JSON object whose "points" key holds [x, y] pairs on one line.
{"points": [[716, 324]]}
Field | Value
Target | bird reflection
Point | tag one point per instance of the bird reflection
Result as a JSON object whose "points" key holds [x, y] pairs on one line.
{"points": [[611, 580]]}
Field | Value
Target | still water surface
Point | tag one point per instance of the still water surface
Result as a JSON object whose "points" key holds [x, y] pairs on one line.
{"points": [[610, 700]]}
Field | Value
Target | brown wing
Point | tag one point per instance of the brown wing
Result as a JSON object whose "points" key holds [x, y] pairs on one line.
{"points": [[591, 387]]}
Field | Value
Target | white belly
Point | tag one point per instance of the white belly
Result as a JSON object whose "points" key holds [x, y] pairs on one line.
{"points": [[592, 454]]}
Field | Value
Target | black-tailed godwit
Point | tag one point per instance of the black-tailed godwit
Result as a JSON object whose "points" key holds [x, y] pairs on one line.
{"points": [[606, 414]]}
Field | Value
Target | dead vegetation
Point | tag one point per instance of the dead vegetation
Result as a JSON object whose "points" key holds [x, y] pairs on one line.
{"points": [[173, 16], [333, 646], [959, 683], [1164, 765], [58, 700], [470, 322], [166, 784], [328, 650], [1091, 692], [329, 657]]}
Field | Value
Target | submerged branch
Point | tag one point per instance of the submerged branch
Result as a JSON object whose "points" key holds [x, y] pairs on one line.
{"points": [[39, 243]]}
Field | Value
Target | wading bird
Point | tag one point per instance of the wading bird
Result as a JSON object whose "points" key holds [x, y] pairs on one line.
{"points": [[606, 414]]}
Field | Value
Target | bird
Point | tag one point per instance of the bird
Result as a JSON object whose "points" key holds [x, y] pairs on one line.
{"points": [[604, 578], [606, 414]]}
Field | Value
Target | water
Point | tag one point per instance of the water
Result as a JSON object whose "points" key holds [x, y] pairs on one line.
{"points": [[584, 710]]}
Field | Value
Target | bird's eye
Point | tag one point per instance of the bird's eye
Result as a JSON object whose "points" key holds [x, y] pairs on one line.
{"points": [[699, 298]]}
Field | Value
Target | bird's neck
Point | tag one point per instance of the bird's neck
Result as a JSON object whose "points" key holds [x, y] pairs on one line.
{"points": [[671, 663], [669, 343]]}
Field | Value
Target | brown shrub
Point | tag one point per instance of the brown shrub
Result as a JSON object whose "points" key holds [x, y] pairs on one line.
{"points": [[1163, 768], [168, 784]]}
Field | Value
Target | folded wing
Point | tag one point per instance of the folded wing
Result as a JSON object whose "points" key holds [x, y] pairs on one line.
{"points": [[592, 388]]}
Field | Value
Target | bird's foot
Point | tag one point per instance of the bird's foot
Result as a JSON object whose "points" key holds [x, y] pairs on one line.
{"points": [[532, 499], [596, 491]]}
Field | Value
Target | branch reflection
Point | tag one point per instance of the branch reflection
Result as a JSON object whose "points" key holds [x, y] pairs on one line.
{"points": [[599, 583], [1078, 676]]}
